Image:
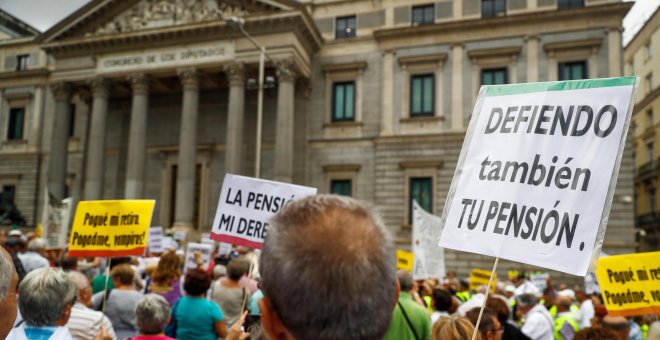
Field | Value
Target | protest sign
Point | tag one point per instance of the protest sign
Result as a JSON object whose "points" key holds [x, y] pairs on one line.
{"points": [[630, 284], [224, 248], [536, 175], [404, 260], [206, 239], [55, 221], [540, 280], [204, 250], [179, 235], [480, 277], [429, 258], [111, 228], [156, 240], [245, 206]]}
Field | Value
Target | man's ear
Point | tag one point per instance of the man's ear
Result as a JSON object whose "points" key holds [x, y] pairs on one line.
{"points": [[270, 321], [397, 290]]}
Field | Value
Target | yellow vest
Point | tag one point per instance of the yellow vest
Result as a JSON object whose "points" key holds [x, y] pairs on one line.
{"points": [[559, 323]]}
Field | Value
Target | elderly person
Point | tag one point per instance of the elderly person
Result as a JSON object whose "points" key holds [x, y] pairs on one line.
{"points": [[453, 328], [8, 283], [328, 271], [228, 292], [490, 327], [45, 300], [34, 257], [85, 323], [120, 302], [153, 314], [538, 324], [195, 316]]}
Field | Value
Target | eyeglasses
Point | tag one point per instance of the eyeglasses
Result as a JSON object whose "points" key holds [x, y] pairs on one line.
{"points": [[501, 329]]}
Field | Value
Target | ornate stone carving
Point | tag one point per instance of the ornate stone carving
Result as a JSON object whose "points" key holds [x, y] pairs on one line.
{"points": [[61, 90], [162, 13], [189, 78], [139, 83], [235, 73], [285, 70], [100, 87]]}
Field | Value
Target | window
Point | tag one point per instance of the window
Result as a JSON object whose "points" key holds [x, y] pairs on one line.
{"points": [[15, 126], [648, 53], [494, 76], [341, 187], [8, 192], [563, 4], [345, 27], [649, 82], [652, 199], [343, 101], [72, 119], [492, 8], [420, 190], [649, 117], [421, 98], [423, 15], [650, 151], [22, 62], [573, 70]]}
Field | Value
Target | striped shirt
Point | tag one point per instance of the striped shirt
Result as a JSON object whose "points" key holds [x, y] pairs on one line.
{"points": [[85, 323]]}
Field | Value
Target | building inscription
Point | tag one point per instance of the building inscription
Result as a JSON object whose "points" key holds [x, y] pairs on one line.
{"points": [[165, 57]]}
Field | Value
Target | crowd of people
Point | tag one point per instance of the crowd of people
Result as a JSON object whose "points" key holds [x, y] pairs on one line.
{"points": [[327, 270]]}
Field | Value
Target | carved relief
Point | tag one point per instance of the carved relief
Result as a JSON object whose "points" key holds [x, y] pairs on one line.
{"points": [[163, 13]]}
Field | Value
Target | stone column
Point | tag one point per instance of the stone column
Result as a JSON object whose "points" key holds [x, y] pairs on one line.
{"points": [[235, 112], [137, 137], [185, 179], [532, 59], [96, 154], [457, 87], [614, 52], [284, 125], [57, 160]]}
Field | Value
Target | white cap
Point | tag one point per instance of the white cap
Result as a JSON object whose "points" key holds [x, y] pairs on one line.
{"points": [[15, 232], [567, 293]]}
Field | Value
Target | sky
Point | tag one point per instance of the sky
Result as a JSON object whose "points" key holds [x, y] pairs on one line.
{"points": [[42, 14]]}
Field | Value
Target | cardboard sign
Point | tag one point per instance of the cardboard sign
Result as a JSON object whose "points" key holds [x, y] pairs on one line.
{"points": [[156, 240], [429, 258], [630, 284], [245, 206], [480, 277], [111, 228], [404, 260], [537, 171], [55, 221], [204, 249]]}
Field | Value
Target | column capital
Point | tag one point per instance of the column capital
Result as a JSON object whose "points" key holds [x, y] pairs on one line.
{"points": [[139, 83], [61, 90], [189, 78], [285, 71], [235, 73], [100, 86]]}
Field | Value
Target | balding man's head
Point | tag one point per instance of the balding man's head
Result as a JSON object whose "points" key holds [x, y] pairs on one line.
{"points": [[328, 270], [8, 283]]}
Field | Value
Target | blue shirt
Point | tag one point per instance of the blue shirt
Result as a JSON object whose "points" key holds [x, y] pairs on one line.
{"points": [[196, 318]]}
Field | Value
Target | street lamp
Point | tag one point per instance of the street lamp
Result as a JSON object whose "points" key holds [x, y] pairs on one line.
{"points": [[237, 23]]}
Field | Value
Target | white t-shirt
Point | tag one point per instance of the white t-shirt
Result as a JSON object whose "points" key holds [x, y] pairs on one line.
{"points": [[587, 313], [538, 324]]}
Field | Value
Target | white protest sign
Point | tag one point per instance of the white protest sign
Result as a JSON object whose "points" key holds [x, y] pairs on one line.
{"points": [[155, 241], [429, 261], [55, 221], [224, 248], [205, 251], [246, 204], [206, 239], [179, 235], [537, 171], [539, 280]]}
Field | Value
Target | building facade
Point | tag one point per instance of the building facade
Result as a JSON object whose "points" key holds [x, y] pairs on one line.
{"points": [[156, 99], [641, 59]]}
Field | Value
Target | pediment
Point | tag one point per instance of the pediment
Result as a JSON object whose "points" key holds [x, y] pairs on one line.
{"points": [[107, 17]]}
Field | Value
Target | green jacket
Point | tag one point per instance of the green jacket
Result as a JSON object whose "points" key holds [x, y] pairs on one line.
{"points": [[419, 319]]}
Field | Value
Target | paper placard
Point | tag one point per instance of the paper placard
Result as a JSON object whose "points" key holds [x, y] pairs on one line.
{"points": [[404, 260], [429, 258], [55, 221], [246, 205], [480, 277], [156, 240], [204, 249]]}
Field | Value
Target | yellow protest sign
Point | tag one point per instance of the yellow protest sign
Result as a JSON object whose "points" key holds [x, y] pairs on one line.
{"points": [[404, 260], [111, 228], [630, 283], [480, 277]]}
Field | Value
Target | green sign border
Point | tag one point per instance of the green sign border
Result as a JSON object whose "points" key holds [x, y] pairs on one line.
{"points": [[513, 89]]}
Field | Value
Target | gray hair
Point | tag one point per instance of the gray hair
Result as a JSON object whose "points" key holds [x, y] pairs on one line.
{"points": [[328, 266], [6, 273], [80, 280], [36, 244], [525, 300], [152, 313], [44, 294], [405, 280]]}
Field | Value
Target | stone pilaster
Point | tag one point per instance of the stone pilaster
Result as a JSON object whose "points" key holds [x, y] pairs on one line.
{"points": [[532, 59], [284, 124], [235, 112], [96, 153], [457, 87], [137, 136], [614, 52], [57, 160], [185, 180]]}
